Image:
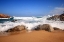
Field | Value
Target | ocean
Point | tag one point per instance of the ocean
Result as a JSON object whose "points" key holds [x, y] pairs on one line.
{"points": [[31, 23]]}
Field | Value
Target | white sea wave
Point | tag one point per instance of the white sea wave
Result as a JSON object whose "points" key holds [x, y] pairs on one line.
{"points": [[31, 23]]}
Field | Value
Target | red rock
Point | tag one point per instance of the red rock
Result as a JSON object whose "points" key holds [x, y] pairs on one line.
{"points": [[4, 16]]}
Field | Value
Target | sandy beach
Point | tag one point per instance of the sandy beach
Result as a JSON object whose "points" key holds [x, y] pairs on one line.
{"points": [[35, 36]]}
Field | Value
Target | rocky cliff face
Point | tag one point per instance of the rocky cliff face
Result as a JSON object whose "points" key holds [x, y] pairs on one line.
{"points": [[4, 16]]}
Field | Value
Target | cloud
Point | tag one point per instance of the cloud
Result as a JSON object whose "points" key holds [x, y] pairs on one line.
{"points": [[57, 10]]}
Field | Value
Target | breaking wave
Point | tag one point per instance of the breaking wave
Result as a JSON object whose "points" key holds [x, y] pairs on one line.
{"points": [[31, 23]]}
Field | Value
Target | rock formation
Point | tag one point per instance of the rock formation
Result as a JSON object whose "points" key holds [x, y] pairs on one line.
{"points": [[62, 17], [57, 17], [46, 27], [55, 28], [17, 28], [13, 20], [4, 16]]}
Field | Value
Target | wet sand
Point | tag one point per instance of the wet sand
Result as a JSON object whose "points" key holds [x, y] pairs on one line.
{"points": [[34, 36]]}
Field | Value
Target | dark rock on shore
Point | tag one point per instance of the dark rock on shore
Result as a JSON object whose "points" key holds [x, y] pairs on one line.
{"points": [[57, 17], [62, 17], [13, 20], [17, 28], [37, 28], [55, 28], [46, 27]]}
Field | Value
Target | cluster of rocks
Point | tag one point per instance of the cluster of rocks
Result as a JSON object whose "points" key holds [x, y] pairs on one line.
{"points": [[45, 27], [4, 16], [57, 17]]}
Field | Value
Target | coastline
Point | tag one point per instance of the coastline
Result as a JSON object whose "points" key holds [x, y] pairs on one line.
{"points": [[32, 30]]}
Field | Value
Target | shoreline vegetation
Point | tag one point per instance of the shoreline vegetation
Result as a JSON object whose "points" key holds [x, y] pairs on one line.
{"points": [[42, 33]]}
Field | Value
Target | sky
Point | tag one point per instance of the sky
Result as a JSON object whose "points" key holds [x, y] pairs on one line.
{"points": [[31, 7]]}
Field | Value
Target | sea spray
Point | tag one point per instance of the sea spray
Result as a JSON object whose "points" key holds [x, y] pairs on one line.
{"points": [[30, 23]]}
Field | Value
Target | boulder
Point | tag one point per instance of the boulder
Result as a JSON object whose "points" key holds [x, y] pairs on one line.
{"points": [[62, 17], [55, 28], [13, 20], [46, 27], [37, 28], [17, 28], [4, 16]]}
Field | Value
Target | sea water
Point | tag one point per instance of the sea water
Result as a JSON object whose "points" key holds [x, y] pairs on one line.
{"points": [[31, 23]]}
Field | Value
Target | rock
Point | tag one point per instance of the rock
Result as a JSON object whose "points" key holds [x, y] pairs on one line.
{"points": [[62, 17], [46, 27], [4, 16], [50, 18], [55, 28], [13, 20], [22, 27], [37, 28], [55, 17], [17, 28]]}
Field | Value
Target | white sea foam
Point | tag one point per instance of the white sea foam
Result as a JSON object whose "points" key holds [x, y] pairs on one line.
{"points": [[31, 23]]}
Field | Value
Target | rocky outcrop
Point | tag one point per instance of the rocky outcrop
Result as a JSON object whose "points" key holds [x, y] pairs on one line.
{"points": [[13, 20], [62, 17], [55, 17], [37, 28], [4, 16], [55, 28], [17, 28], [46, 27]]}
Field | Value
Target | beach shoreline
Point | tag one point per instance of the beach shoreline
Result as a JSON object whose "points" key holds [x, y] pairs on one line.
{"points": [[35, 36]]}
